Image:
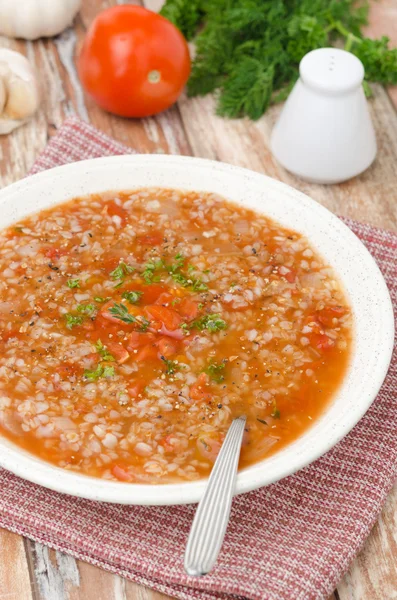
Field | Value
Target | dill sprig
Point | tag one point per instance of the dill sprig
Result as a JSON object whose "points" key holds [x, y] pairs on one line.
{"points": [[249, 50]]}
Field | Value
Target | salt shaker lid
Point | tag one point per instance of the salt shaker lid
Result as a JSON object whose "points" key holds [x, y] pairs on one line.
{"points": [[332, 71]]}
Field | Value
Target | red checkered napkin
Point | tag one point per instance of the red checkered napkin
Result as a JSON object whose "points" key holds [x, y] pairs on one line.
{"points": [[289, 541]]}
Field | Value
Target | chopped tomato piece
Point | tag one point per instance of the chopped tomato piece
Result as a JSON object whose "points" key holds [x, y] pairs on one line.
{"points": [[121, 473], [167, 346], [290, 276], [321, 341], [135, 388], [55, 253], [9, 335], [188, 309], [169, 318], [165, 299], [66, 370], [199, 390], [155, 238], [111, 208], [138, 340], [110, 264], [152, 292], [118, 351], [147, 353], [170, 443], [327, 315]]}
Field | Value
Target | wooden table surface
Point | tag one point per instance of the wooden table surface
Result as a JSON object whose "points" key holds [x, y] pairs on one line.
{"points": [[30, 571]]}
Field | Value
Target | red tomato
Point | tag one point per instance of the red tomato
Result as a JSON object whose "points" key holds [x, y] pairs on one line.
{"points": [[114, 209], [199, 390], [138, 340], [118, 351], [170, 318], [155, 238], [55, 253], [188, 308], [327, 315], [167, 347], [133, 62]]}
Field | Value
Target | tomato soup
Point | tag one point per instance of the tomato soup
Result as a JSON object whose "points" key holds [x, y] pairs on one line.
{"points": [[135, 326]]}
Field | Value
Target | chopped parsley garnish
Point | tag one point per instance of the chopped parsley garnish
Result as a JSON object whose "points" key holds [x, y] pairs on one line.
{"points": [[120, 272], [103, 351], [73, 283], [100, 300], [99, 371], [212, 323], [174, 271], [191, 268], [108, 371], [198, 285], [178, 264], [86, 309], [171, 366], [262, 421], [150, 268], [120, 311], [73, 320], [216, 371], [132, 297], [144, 324], [275, 414]]}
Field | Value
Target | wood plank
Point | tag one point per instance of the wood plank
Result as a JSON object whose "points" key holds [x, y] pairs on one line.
{"points": [[373, 575], [14, 569], [61, 577]]}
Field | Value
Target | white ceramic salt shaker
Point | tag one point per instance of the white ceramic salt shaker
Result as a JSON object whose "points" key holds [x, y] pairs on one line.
{"points": [[324, 133]]}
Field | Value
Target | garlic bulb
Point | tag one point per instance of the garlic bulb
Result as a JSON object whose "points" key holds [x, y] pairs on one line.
{"points": [[31, 19], [19, 93]]}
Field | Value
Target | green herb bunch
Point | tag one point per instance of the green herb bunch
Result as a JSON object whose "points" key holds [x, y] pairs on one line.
{"points": [[249, 50]]}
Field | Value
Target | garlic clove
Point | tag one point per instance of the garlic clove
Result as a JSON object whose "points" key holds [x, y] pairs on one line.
{"points": [[19, 93], [36, 18]]}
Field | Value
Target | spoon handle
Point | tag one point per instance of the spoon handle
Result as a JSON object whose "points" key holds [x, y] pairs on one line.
{"points": [[212, 515]]}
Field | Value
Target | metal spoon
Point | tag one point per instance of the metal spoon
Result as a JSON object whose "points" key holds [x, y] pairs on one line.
{"points": [[212, 514]]}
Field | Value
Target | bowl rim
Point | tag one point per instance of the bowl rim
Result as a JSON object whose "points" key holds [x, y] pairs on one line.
{"points": [[29, 467]]}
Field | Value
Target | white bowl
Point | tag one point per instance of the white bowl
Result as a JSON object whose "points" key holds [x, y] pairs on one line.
{"points": [[363, 282]]}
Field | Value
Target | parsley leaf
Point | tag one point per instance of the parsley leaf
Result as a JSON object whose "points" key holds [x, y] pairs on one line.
{"points": [[150, 268], [120, 273], [171, 366], [212, 323], [72, 320], [93, 374], [108, 371], [86, 309], [132, 297], [103, 351], [100, 300], [216, 371], [73, 283], [120, 311], [275, 413], [98, 372]]}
